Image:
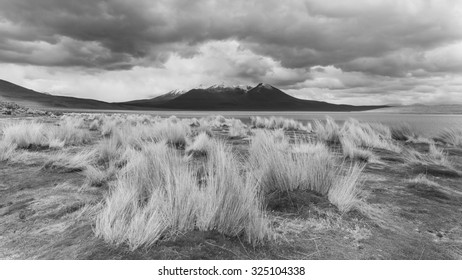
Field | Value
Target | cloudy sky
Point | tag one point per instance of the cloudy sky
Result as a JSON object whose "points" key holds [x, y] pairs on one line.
{"points": [[357, 52]]}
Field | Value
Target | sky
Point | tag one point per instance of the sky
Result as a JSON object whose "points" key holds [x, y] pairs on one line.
{"points": [[353, 52]]}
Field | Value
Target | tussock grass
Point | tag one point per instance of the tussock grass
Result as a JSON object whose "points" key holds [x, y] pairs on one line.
{"points": [[66, 162], [402, 132], [310, 167], [422, 179], [344, 192], [158, 195], [25, 135], [303, 166], [6, 150], [420, 140], [200, 146], [174, 134], [451, 137], [424, 187], [237, 129], [278, 123], [368, 135], [434, 162], [68, 133], [108, 128], [32, 135], [435, 156], [95, 177], [351, 151], [328, 131], [229, 201], [95, 125]]}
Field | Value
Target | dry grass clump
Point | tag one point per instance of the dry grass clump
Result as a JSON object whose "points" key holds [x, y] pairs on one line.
{"points": [[451, 137], [200, 146], [402, 132], [213, 121], [237, 129], [368, 135], [422, 179], [229, 200], [25, 135], [95, 125], [424, 187], [310, 167], [344, 192], [33, 135], [420, 140], [328, 131], [278, 123], [158, 194], [68, 133], [434, 162], [351, 151], [435, 156], [108, 127], [6, 150], [66, 162], [174, 134], [302, 166]]}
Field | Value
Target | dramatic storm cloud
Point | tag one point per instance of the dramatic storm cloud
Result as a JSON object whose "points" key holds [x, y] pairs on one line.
{"points": [[362, 51]]}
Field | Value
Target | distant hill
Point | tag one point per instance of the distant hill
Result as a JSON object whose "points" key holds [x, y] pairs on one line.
{"points": [[263, 97], [423, 109], [33, 99]]}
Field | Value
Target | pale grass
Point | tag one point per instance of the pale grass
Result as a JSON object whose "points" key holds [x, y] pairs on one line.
{"points": [[6, 150], [435, 156], [310, 167], [367, 135], [158, 194], [329, 131], [70, 162], [422, 179], [24, 134], [237, 129], [29, 134], [345, 190], [402, 132], [351, 151], [451, 137], [200, 146], [230, 202], [68, 133], [278, 123]]}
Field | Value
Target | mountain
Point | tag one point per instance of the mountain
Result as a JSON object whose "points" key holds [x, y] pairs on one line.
{"points": [[260, 98], [263, 97], [33, 99], [152, 102]]}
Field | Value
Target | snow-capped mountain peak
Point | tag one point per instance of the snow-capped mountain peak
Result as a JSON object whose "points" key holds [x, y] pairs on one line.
{"points": [[223, 86], [263, 85], [176, 92]]}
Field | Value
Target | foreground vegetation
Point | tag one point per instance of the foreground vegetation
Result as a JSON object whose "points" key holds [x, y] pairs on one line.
{"points": [[139, 186]]}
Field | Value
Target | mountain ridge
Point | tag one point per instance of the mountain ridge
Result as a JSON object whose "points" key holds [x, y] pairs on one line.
{"points": [[262, 97]]}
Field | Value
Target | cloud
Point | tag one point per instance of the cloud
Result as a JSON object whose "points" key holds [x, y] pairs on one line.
{"points": [[298, 33], [306, 46]]}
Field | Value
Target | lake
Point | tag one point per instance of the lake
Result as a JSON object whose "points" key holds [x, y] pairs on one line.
{"points": [[426, 124]]}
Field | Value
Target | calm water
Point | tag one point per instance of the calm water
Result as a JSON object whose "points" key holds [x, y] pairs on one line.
{"points": [[426, 124]]}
